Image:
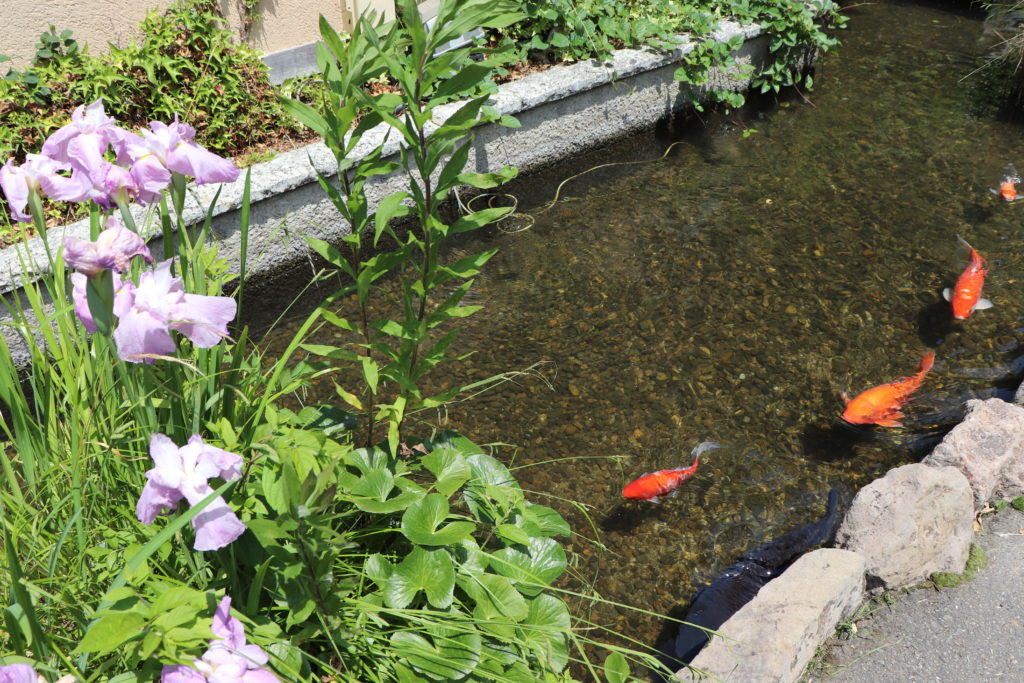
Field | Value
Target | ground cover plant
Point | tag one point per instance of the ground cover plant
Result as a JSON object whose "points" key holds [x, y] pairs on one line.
{"points": [[187, 63], [165, 516]]}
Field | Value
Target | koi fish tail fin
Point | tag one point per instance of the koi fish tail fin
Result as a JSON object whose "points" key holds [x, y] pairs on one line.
{"points": [[926, 364], [704, 446], [1011, 172]]}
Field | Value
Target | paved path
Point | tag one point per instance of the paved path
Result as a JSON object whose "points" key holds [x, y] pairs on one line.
{"points": [[974, 632]]}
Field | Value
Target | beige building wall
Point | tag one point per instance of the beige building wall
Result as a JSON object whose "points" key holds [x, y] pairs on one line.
{"points": [[283, 24]]}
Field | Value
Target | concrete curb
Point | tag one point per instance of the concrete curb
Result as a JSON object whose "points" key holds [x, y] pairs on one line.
{"points": [[563, 111]]}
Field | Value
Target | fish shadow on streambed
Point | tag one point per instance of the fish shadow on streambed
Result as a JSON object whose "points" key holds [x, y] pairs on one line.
{"points": [[625, 517], [835, 440], [736, 586], [934, 322]]}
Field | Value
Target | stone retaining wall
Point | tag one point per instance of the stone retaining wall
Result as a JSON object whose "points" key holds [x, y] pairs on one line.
{"points": [[563, 111], [899, 530]]}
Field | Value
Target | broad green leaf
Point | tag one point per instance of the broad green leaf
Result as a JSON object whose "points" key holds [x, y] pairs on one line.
{"points": [[498, 593], [450, 468], [513, 534], [451, 654], [111, 631], [378, 569], [545, 628], [540, 520], [533, 566], [421, 521], [616, 668], [430, 571]]}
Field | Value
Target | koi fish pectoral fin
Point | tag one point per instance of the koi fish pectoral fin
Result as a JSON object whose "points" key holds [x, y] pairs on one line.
{"points": [[846, 399], [982, 305], [886, 422], [947, 294]]}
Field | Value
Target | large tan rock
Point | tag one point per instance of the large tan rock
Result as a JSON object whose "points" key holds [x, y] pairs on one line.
{"points": [[911, 523], [988, 448], [772, 637]]}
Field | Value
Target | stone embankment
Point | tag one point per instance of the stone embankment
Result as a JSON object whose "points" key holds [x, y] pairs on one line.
{"points": [[913, 522], [563, 111]]}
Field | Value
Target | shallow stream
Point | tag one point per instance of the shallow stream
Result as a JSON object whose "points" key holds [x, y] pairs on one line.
{"points": [[731, 291]]}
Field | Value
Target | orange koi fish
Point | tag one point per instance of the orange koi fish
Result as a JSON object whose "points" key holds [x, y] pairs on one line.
{"points": [[881, 405], [966, 294], [1008, 187], [655, 484]]}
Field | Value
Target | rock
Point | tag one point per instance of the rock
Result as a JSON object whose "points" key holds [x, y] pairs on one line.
{"points": [[988, 448], [774, 636], [911, 523]]}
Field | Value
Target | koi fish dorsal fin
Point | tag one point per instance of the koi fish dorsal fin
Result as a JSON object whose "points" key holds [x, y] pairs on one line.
{"points": [[982, 305]]}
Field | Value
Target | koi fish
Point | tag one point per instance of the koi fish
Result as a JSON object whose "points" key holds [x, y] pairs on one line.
{"points": [[654, 484], [966, 294], [881, 405], [1008, 187]]}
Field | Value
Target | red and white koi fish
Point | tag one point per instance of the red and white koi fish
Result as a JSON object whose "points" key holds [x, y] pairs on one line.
{"points": [[1008, 187], [881, 405], [965, 296], [655, 484]]}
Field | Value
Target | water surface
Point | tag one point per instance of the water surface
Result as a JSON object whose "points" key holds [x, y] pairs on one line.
{"points": [[730, 293]]}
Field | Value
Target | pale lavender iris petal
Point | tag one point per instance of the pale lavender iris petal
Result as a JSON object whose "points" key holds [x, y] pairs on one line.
{"points": [[217, 525], [113, 250], [78, 284], [123, 141], [124, 296], [191, 159], [176, 475], [155, 500], [87, 122], [140, 334], [214, 462], [18, 673], [204, 319], [229, 659], [12, 182], [181, 674], [38, 174], [151, 177], [165, 453], [73, 189]]}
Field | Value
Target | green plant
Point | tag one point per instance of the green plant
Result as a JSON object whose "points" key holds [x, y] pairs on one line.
{"points": [[976, 559]]}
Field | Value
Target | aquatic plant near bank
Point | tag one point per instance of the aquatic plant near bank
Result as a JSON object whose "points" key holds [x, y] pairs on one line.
{"points": [[360, 546]]}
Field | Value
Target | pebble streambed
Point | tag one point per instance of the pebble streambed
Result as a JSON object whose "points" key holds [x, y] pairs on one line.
{"points": [[730, 292]]}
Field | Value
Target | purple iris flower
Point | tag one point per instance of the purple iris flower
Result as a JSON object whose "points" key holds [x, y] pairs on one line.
{"points": [[172, 147], [183, 473], [40, 174], [159, 304], [113, 249], [124, 293], [18, 673], [228, 659], [85, 140]]}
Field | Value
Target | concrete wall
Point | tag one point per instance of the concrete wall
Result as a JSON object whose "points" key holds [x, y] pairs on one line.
{"points": [[283, 24]]}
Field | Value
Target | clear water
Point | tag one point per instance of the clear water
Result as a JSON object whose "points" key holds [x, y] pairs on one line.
{"points": [[730, 293]]}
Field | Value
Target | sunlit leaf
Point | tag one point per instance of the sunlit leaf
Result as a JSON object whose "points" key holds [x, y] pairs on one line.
{"points": [[450, 468], [421, 521], [533, 566], [430, 571]]}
